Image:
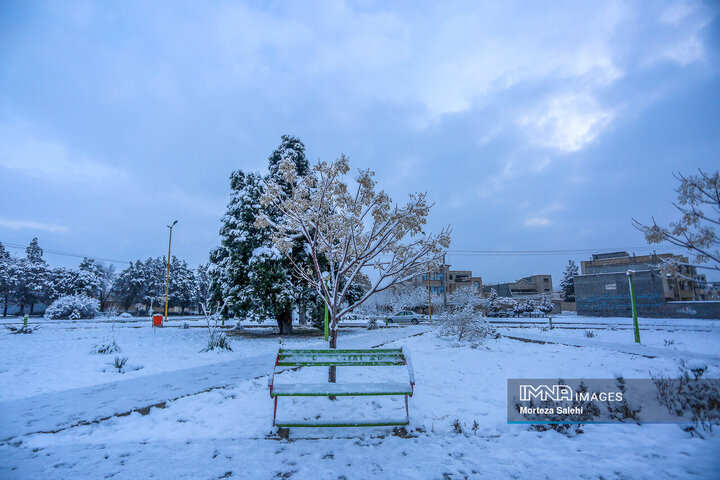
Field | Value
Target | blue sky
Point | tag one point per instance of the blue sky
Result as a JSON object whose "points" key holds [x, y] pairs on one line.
{"points": [[531, 126]]}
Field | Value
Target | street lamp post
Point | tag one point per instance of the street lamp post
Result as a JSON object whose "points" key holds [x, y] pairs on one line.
{"points": [[167, 280]]}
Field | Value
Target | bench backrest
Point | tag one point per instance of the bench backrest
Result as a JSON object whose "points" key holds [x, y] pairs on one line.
{"points": [[349, 358]]}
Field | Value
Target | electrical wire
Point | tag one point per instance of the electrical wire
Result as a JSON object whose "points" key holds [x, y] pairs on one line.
{"points": [[67, 254]]}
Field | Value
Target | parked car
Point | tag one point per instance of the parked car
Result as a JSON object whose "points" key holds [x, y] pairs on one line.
{"points": [[406, 316]]}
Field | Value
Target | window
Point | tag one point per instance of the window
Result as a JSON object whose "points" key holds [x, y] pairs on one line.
{"points": [[440, 289], [546, 280], [476, 284], [424, 276], [439, 276]]}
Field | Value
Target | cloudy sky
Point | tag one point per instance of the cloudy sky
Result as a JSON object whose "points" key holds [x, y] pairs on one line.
{"points": [[531, 125]]}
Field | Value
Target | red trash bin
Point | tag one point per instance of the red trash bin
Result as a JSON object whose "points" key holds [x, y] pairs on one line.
{"points": [[157, 320]]}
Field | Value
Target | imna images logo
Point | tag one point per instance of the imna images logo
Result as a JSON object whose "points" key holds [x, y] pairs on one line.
{"points": [[557, 393]]}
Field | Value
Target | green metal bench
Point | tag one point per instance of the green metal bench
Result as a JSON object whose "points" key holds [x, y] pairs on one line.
{"points": [[342, 358]]}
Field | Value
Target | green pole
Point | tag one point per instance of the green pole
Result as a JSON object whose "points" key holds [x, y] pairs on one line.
{"points": [[327, 326], [634, 307]]}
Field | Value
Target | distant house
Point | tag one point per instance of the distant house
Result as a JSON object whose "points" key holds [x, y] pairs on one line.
{"points": [[527, 286], [442, 278]]}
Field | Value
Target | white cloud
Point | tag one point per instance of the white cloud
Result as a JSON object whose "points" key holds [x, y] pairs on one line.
{"points": [[48, 159], [567, 123], [30, 225], [537, 222]]}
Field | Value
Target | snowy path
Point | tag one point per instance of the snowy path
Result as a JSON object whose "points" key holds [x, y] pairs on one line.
{"points": [[633, 349], [54, 411]]}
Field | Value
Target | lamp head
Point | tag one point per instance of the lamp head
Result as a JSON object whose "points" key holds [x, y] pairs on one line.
{"points": [[173, 224]]}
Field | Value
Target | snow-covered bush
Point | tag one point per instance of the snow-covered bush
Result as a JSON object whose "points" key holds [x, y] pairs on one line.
{"points": [[589, 411], [624, 411], [106, 347], [185, 326], [25, 329], [546, 306], [467, 326], [589, 333], [217, 339], [125, 315], [691, 394], [372, 323], [73, 307], [119, 363]]}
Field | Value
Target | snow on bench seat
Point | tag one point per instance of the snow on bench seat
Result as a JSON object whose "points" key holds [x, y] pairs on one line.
{"points": [[380, 422], [340, 389], [317, 358]]}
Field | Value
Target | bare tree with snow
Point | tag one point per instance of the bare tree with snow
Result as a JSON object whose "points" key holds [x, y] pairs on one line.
{"points": [[354, 228]]}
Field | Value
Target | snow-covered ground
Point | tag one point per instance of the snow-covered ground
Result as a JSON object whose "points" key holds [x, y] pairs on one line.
{"points": [[223, 432]]}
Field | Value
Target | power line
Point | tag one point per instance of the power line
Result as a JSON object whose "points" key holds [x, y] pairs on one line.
{"points": [[568, 251], [67, 254]]}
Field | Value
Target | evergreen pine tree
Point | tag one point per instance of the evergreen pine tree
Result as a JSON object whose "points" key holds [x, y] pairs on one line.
{"points": [[8, 278], [247, 273], [32, 278], [129, 286], [568, 284]]}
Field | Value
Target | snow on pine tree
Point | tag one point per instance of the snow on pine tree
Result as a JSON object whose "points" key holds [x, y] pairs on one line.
{"points": [[8, 278], [353, 230], [96, 279], [568, 283], [129, 287], [32, 278], [247, 273], [182, 285], [230, 262], [202, 285], [545, 306]]}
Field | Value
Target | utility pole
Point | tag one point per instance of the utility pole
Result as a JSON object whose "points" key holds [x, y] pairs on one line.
{"points": [[444, 283], [167, 280], [429, 295]]}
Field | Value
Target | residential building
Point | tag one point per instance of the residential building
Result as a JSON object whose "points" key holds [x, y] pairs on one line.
{"points": [[442, 278], [603, 288], [527, 286], [678, 288]]}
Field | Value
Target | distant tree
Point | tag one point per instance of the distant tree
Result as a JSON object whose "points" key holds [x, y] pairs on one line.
{"points": [[33, 251], [32, 278], [96, 279], [202, 286], [698, 201], [182, 285], [129, 287], [8, 278], [568, 283], [61, 282], [545, 306], [153, 281], [463, 297]]}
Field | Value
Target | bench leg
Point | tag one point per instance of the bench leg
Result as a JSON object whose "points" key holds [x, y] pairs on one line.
{"points": [[275, 411], [407, 411]]}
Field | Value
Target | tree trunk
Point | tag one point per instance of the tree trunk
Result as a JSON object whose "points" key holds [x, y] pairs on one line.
{"points": [[284, 321], [302, 315], [32, 306], [332, 371], [5, 308], [22, 309]]}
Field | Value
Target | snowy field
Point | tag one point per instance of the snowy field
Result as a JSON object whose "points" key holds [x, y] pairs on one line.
{"points": [[65, 413]]}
